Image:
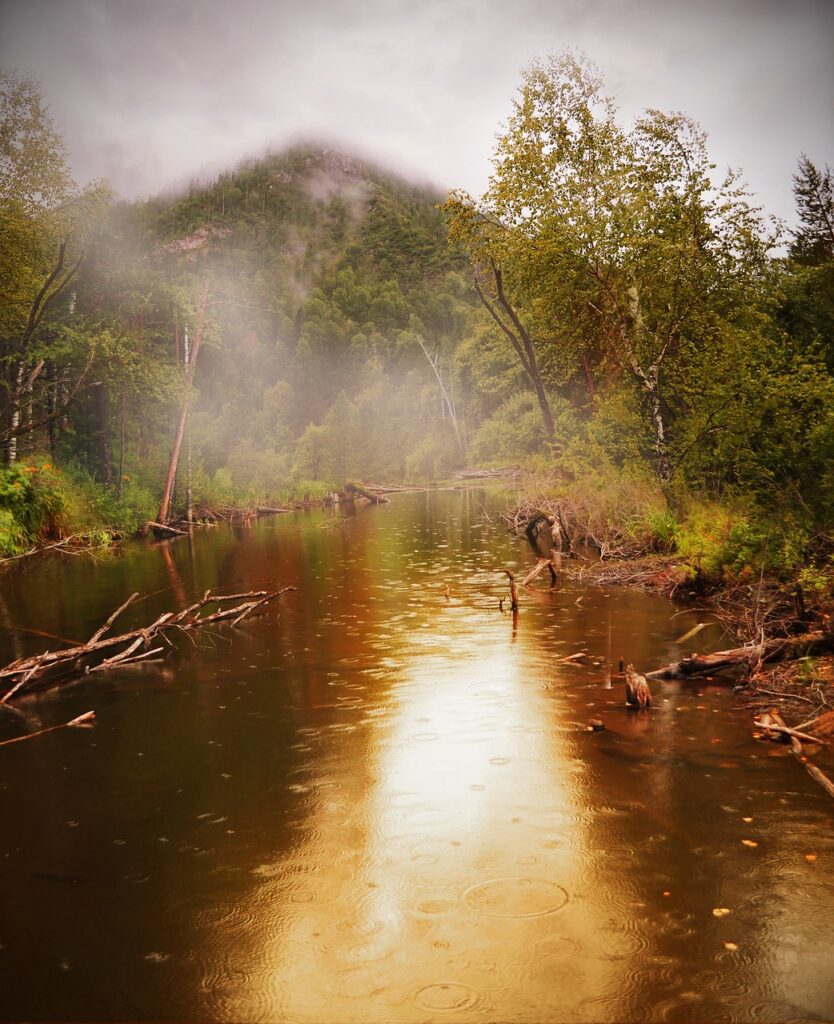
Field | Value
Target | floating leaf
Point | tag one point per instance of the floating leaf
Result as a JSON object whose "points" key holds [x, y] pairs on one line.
{"points": [[748, 820], [750, 842], [810, 857], [730, 946], [721, 911]]}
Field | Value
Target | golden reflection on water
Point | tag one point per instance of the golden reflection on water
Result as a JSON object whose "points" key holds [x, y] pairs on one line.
{"points": [[377, 804], [453, 880]]}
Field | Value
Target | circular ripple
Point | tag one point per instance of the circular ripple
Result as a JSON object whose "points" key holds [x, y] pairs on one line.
{"points": [[359, 983], [437, 906], [371, 951], [446, 995], [556, 947], [690, 1008], [516, 897]]}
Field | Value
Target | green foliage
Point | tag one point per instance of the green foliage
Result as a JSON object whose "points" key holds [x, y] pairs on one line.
{"points": [[512, 433], [32, 505], [433, 459], [730, 540], [13, 538], [813, 190]]}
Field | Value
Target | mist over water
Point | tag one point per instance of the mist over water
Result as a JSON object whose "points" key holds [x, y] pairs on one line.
{"points": [[374, 803]]}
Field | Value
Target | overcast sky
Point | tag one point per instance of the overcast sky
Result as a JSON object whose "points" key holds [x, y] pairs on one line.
{"points": [[150, 93]]}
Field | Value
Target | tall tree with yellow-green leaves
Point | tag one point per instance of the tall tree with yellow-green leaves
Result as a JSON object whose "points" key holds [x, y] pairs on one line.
{"points": [[598, 248]]}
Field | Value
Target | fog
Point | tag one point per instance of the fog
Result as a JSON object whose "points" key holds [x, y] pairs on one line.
{"points": [[150, 93]]}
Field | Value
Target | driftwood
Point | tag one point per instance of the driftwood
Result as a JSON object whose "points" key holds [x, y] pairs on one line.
{"points": [[555, 526], [87, 719], [638, 694], [395, 489], [53, 667], [775, 723], [823, 725], [353, 489], [541, 565], [513, 591], [164, 529], [750, 657], [77, 542], [486, 474], [266, 510]]}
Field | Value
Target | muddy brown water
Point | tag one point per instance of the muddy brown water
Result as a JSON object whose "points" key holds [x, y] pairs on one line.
{"points": [[374, 804]]}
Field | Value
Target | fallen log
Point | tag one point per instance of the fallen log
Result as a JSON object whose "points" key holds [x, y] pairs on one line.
{"points": [[751, 656], [267, 510], [164, 530], [354, 489], [54, 667], [486, 474]]}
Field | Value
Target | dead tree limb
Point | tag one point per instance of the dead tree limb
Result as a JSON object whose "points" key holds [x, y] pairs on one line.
{"points": [[164, 529], [541, 565], [53, 667], [85, 720], [513, 589], [777, 724]]}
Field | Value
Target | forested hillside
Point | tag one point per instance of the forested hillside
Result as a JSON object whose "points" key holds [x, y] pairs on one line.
{"points": [[614, 314], [320, 273]]}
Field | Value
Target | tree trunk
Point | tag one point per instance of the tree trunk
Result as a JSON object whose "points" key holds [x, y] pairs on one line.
{"points": [[102, 411], [446, 399], [121, 485], [15, 396], [544, 405], [189, 497], [165, 503], [51, 406], [661, 448], [589, 377], [521, 342]]}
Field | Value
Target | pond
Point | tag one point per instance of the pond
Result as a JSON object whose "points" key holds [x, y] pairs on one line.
{"points": [[377, 802]]}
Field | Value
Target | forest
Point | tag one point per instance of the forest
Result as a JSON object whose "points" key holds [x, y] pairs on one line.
{"points": [[615, 317]]}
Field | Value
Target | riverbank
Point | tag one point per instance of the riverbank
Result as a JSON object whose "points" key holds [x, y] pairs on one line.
{"points": [[757, 581], [45, 507]]}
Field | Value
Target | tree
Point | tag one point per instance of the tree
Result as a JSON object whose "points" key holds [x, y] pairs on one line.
{"points": [[44, 217], [813, 190], [618, 245]]}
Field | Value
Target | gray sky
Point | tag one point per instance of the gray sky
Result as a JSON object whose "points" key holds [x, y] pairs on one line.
{"points": [[152, 92]]}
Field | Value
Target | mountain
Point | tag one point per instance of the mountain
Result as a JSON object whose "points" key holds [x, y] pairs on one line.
{"points": [[321, 269]]}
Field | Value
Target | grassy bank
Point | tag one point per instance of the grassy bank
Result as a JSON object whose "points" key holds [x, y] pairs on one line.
{"points": [[42, 504], [764, 571]]}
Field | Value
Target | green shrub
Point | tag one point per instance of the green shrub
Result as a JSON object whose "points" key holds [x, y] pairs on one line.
{"points": [[32, 499], [432, 459], [13, 539]]}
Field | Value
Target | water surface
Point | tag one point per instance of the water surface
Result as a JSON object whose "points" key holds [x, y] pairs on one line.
{"points": [[374, 803]]}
